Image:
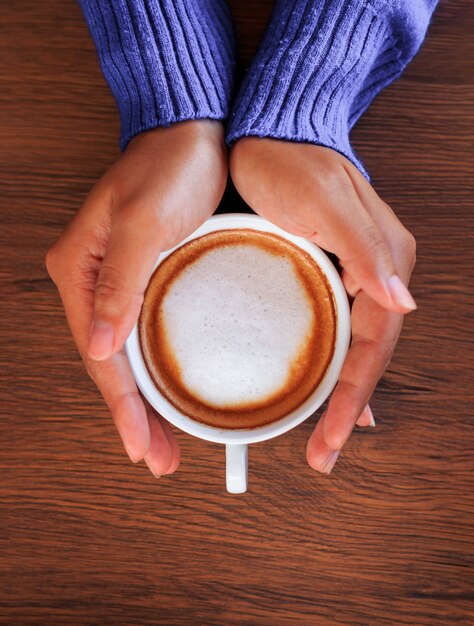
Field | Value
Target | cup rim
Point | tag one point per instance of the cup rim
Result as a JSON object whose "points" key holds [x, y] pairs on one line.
{"points": [[311, 404]]}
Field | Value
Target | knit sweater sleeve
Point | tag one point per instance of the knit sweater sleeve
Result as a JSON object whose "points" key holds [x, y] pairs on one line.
{"points": [[321, 63], [165, 60]]}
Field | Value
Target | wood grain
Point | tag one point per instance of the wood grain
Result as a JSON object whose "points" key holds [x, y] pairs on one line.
{"points": [[86, 538]]}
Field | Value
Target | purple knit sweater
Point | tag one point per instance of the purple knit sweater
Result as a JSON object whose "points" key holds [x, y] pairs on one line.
{"points": [[319, 65]]}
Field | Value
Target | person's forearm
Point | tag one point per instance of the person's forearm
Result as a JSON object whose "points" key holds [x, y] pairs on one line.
{"points": [[320, 65], [164, 61]]}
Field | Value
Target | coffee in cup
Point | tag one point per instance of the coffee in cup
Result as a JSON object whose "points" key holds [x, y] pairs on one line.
{"points": [[238, 328]]}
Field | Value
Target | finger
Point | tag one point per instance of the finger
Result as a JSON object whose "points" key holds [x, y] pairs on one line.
{"points": [[375, 333], [175, 451], [115, 381], [398, 238], [160, 454], [156, 458], [138, 235], [388, 239], [339, 216], [366, 418], [113, 376], [350, 285], [319, 455], [364, 254], [134, 245]]}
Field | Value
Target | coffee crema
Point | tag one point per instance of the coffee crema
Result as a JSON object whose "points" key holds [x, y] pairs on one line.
{"points": [[237, 328]]}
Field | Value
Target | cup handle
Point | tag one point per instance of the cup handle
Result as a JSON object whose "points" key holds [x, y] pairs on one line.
{"points": [[236, 467]]}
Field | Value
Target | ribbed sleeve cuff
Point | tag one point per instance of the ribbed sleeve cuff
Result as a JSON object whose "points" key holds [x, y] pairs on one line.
{"points": [[164, 61], [320, 64]]}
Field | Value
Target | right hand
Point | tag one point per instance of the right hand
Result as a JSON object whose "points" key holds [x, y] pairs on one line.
{"points": [[163, 187]]}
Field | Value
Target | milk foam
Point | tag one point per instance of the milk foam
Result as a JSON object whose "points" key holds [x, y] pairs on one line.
{"points": [[235, 320]]}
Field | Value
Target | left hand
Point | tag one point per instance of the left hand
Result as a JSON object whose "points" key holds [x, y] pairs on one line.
{"points": [[316, 193]]}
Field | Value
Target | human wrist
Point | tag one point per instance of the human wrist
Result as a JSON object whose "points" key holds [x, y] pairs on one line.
{"points": [[165, 62], [188, 133], [319, 66], [310, 69], [190, 153]]}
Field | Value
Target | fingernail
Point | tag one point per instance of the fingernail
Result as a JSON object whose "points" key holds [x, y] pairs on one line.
{"points": [[400, 294], [366, 418], [329, 462], [101, 341], [134, 458], [371, 417], [155, 474]]}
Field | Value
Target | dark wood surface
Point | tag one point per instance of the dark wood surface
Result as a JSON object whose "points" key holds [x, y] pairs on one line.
{"points": [[88, 538]]}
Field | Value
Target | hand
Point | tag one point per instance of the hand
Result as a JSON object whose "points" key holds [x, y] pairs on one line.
{"points": [[316, 193], [168, 181]]}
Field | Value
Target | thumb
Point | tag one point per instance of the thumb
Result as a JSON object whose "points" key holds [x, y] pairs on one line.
{"points": [[363, 250], [134, 245], [368, 263]]}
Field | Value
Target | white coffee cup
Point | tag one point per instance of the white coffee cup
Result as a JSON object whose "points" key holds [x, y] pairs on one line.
{"points": [[237, 441]]}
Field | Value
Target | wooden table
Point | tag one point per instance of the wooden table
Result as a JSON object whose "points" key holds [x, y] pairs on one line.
{"points": [[87, 538]]}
